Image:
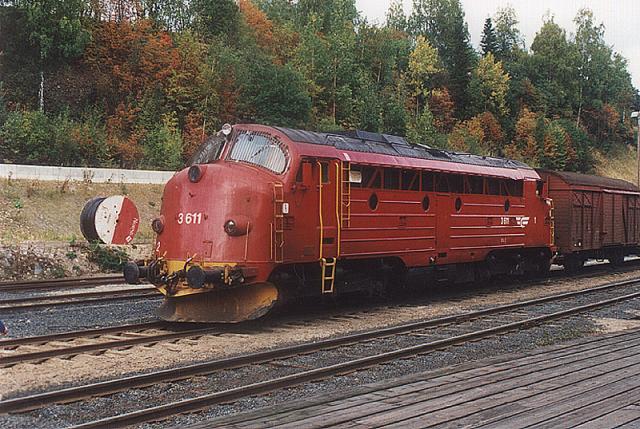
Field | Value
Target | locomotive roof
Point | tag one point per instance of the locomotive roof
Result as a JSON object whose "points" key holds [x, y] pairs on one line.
{"points": [[578, 179], [386, 144]]}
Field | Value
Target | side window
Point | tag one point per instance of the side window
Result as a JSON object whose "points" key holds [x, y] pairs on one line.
{"points": [[519, 188], [427, 181], [410, 180], [371, 177], [456, 183], [473, 184], [325, 172], [391, 178], [493, 186], [299, 173], [442, 183]]}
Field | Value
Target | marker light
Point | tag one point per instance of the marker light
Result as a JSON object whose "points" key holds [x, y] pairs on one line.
{"points": [[195, 173], [226, 129]]}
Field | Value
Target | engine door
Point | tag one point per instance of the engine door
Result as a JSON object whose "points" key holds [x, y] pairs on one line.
{"points": [[328, 174]]}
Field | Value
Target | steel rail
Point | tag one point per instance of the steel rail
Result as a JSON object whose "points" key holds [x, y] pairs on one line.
{"points": [[108, 345], [77, 298], [75, 393], [189, 405], [42, 339], [60, 283]]}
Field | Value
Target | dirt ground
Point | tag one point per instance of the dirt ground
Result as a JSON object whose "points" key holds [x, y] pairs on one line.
{"points": [[50, 211]]}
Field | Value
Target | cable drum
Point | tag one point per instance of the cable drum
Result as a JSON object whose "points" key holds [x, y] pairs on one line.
{"points": [[110, 220]]}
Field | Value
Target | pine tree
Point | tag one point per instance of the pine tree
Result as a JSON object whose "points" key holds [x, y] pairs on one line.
{"points": [[489, 42], [442, 22]]}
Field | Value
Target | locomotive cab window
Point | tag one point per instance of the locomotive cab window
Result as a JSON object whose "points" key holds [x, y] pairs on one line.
{"points": [[209, 151], [260, 150]]}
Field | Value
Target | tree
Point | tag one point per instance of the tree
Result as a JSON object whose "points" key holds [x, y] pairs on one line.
{"points": [[524, 146], [276, 95], [489, 42], [489, 86], [508, 37], [553, 69], [216, 18], [396, 18], [442, 23], [56, 30], [423, 65], [421, 129]]}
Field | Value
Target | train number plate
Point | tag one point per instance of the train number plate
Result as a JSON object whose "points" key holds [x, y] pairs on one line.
{"points": [[194, 218]]}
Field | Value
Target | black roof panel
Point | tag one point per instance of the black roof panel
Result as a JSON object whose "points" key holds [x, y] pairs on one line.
{"points": [[386, 144]]}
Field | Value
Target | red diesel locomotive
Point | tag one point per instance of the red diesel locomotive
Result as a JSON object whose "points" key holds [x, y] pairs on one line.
{"points": [[268, 213]]}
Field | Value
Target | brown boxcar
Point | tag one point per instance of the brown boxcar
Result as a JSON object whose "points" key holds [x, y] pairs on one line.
{"points": [[595, 217]]}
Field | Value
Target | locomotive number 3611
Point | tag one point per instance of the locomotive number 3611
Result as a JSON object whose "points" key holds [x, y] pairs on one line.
{"points": [[189, 218]]}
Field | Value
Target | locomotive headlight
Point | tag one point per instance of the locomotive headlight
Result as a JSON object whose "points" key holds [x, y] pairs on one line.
{"points": [[157, 225], [195, 173], [226, 129], [231, 227]]}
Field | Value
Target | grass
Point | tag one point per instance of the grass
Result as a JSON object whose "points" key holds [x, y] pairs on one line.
{"points": [[620, 163], [50, 211]]}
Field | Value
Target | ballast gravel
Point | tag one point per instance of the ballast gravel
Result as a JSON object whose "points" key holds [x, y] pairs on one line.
{"points": [[559, 331], [57, 373]]}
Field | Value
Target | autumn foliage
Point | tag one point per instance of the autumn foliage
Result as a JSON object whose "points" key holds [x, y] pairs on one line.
{"points": [[141, 84]]}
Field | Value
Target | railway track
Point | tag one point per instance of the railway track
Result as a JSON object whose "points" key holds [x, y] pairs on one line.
{"points": [[387, 344], [34, 302], [38, 349], [62, 283], [68, 344]]}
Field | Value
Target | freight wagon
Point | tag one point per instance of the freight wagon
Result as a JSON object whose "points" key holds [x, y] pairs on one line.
{"points": [[594, 217]]}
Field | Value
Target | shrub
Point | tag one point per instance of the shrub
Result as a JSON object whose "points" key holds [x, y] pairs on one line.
{"points": [[163, 147], [110, 259], [90, 138], [25, 137]]}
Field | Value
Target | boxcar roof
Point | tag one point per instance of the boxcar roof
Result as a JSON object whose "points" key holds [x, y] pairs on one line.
{"points": [[385, 144], [578, 179]]}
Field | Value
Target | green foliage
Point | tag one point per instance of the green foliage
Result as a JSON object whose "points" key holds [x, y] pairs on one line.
{"points": [[56, 27], [163, 147], [109, 259], [489, 86], [442, 22], [508, 37], [140, 84], [421, 130], [277, 95], [216, 18], [489, 41], [36, 138]]}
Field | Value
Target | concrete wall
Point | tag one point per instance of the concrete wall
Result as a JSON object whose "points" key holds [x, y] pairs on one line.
{"points": [[95, 175]]}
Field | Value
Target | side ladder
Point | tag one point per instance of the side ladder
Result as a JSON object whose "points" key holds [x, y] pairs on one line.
{"points": [[328, 266], [278, 222], [346, 194]]}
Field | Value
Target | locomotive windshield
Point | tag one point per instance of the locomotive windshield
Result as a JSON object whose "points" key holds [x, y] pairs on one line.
{"points": [[261, 150], [209, 150]]}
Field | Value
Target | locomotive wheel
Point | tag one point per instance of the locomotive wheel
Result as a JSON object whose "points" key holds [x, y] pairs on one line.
{"points": [[225, 306]]}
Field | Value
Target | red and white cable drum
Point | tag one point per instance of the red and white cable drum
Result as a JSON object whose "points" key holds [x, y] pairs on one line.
{"points": [[111, 220]]}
